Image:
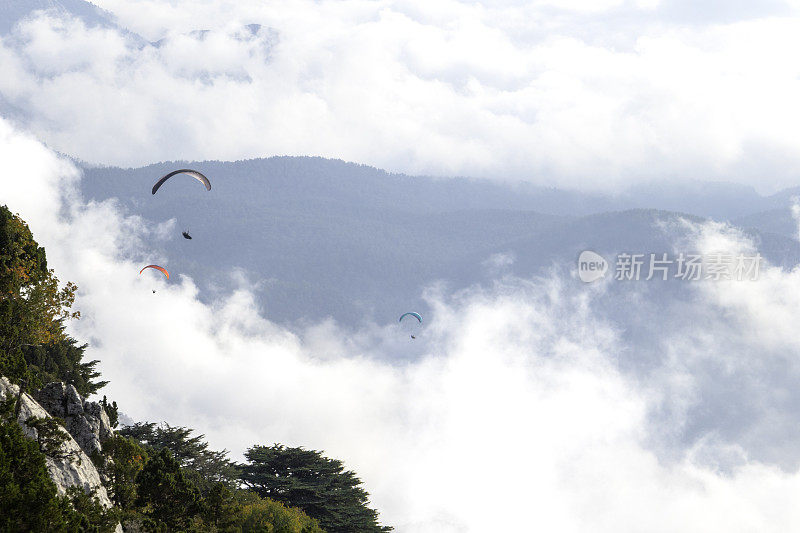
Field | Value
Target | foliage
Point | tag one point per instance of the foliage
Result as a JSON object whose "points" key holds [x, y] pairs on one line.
{"points": [[33, 309], [112, 411], [29, 291], [127, 460], [22, 261], [87, 514], [258, 514], [220, 505], [62, 361], [221, 509], [28, 497], [165, 495], [316, 484], [228, 511], [50, 437], [203, 466], [334, 497]]}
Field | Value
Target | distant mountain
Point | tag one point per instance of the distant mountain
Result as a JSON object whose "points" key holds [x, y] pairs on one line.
{"points": [[717, 200], [12, 11], [783, 198], [329, 238], [778, 221]]}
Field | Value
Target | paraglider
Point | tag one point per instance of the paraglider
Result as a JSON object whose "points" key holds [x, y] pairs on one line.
{"points": [[415, 315], [161, 269], [186, 235], [189, 172]]}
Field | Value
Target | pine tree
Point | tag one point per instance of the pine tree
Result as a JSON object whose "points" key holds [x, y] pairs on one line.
{"points": [[203, 466], [316, 484], [166, 495]]}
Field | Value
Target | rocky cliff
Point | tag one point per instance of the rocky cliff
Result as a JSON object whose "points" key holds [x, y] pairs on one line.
{"points": [[86, 421], [73, 467]]}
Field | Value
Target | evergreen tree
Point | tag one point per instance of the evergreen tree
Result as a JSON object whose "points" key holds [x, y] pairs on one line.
{"points": [[165, 495], [127, 460], [62, 361], [111, 410], [33, 308], [27, 495], [222, 510], [50, 436], [203, 466], [316, 484]]}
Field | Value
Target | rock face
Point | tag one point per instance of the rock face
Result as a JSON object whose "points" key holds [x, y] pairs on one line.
{"points": [[86, 421], [76, 470]]}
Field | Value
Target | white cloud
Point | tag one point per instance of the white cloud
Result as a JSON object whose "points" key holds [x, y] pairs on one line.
{"points": [[518, 415], [540, 92], [796, 213], [498, 263]]}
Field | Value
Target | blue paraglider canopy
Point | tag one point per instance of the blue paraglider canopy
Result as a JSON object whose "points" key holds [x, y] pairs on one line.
{"points": [[415, 315]]}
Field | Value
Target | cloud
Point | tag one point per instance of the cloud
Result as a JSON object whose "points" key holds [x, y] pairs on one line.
{"points": [[591, 95], [517, 415], [796, 213], [498, 263]]}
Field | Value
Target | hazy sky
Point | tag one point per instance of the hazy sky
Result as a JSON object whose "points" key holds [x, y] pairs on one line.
{"points": [[592, 94]]}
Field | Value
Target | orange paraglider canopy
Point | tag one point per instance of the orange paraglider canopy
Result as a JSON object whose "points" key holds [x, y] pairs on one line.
{"points": [[162, 269]]}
